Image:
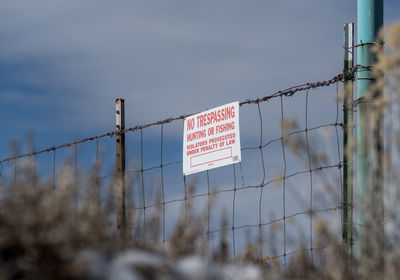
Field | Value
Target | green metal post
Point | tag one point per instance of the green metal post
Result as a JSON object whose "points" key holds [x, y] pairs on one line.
{"points": [[369, 20], [348, 141]]}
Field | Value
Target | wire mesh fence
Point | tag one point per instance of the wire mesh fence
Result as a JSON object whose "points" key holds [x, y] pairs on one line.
{"points": [[289, 177]]}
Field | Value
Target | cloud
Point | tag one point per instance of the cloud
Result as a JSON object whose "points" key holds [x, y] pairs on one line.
{"points": [[165, 58]]}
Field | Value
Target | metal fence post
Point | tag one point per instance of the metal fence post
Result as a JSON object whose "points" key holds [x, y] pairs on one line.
{"points": [[348, 141], [120, 166], [369, 142]]}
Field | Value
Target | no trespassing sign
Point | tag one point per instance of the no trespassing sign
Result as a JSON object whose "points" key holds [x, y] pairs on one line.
{"points": [[211, 139]]}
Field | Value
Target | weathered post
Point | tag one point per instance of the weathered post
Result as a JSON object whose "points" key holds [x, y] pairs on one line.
{"points": [[348, 140], [120, 165]]}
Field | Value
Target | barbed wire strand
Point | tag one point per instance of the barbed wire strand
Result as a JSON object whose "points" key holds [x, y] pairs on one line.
{"points": [[351, 48], [286, 92]]}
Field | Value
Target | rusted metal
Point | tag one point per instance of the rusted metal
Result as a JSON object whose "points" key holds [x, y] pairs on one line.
{"points": [[348, 74]]}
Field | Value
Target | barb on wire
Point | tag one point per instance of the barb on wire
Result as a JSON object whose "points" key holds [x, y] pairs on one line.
{"points": [[360, 100], [379, 44]]}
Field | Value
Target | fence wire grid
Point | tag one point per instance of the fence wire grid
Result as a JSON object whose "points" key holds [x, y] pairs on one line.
{"points": [[310, 171]]}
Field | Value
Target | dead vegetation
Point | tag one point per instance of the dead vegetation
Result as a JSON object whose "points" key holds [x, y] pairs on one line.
{"points": [[45, 234]]}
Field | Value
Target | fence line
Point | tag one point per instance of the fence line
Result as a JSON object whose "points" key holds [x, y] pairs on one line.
{"points": [[284, 135]]}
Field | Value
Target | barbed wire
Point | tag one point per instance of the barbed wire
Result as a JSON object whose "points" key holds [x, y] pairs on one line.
{"points": [[347, 74], [362, 44]]}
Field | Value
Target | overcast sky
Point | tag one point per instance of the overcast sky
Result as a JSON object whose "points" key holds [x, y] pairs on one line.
{"points": [[62, 64]]}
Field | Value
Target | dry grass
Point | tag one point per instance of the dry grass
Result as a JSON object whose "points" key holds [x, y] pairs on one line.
{"points": [[43, 232]]}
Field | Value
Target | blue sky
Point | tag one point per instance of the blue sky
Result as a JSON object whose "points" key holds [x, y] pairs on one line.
{"points": [[62, 65]]}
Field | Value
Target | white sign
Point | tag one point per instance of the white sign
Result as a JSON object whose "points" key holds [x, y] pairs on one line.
{"points": [[211, 139]]}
